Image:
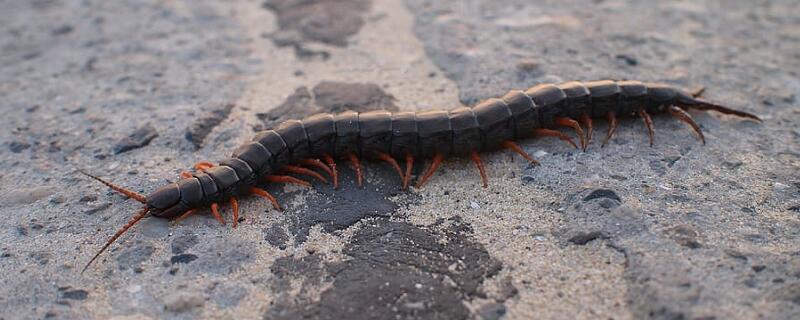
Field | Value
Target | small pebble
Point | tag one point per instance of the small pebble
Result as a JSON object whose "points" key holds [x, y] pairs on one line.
{"points": [[780, 186], [540, 153], [474, 205]]}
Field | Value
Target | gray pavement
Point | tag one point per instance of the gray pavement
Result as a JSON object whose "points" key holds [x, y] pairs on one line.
{"points": [[138, 91]]}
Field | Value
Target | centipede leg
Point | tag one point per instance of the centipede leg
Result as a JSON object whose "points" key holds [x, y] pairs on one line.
{"points": [[235, 209], [409, 165], [335, 174], [587, 121], [612, 127], [392, 162], [357, 166], [553, 133], [318, 164], [648, 122], [266, 195], [567, 122], [287, 179], [437, 160], [215, 213], [508, 144], [478, 163], [202, 165], [304, 171], [684, 116], [184, 216], [186, 174]]}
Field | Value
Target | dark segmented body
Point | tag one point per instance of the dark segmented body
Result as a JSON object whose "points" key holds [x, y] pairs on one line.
{"points": [[457, 132]]}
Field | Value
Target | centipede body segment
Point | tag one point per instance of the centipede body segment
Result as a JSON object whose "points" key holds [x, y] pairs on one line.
{"points": [[297, 147]]}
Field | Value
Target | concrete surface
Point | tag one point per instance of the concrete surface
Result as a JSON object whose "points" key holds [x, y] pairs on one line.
{"points": [[137, 91]]}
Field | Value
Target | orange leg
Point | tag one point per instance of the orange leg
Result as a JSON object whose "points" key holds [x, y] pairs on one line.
{"points": [[215, 212], [357, 165], [266, 195], [612, 127], [567, 122], [287, 179], [554, 133], [649, 123], [334, 174], [393, 163], [685, 117], [477, 159], [508, 144], [184, 216], [587, 121], [318, 164], [437, 160], [409, 165], [304, 171], [186, 174], [202, 165], [235, 209]]}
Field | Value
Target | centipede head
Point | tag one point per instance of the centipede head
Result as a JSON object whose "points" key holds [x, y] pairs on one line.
{"points": [[136, 218]]}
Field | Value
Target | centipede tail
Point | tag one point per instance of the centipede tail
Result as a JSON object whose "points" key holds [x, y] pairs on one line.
{"points": [[296, 148], [703, 105]]}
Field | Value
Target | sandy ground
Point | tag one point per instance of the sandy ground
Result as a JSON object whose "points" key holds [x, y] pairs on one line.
{"points": [[136, 92]]}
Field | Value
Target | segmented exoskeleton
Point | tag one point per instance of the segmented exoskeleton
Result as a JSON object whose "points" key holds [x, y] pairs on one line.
{"points": [[319, 140]]}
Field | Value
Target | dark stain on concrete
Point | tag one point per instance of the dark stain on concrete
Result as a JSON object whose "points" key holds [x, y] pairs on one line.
{"points": [[327, 21], [394, 270], [340, 96], [329, 96], [137, 139], [276, 236], [197, 132], [134, 256], [602, 193], [183, 258], [339, 209], [583, 238]]}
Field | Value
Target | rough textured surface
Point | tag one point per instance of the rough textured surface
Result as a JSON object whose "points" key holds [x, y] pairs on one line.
{"points": [[330, 97], [677, 231]]}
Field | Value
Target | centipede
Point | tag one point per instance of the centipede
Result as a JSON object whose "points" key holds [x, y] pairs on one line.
{"points": [[301, 151]]}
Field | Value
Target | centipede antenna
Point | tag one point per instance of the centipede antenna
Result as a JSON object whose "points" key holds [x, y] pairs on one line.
{"points": [[139, 215], [128, 193]]}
